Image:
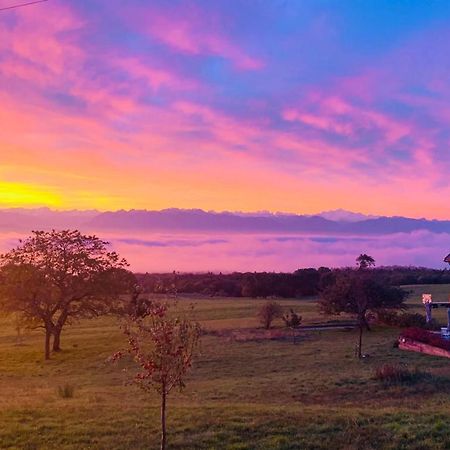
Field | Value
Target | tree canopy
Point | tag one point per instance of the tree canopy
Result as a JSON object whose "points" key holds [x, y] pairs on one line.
{"points": [[364, 261], [53, 277], [360, 292]]}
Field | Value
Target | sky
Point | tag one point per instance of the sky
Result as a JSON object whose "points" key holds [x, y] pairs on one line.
{"points": [[277, 105]]}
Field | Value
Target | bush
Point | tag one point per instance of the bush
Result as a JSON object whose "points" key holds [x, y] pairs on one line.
{"points": [[426, 337], [394, 374], [387, 317], [66, 391], [433, 324], [404, 320], [292, 320], [268, 312]]}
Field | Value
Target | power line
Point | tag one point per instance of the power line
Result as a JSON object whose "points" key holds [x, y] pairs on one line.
{"points": [[22, 4]]}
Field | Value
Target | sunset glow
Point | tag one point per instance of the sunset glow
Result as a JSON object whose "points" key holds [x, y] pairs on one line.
{"points": [[275, 106], [16, 194]]}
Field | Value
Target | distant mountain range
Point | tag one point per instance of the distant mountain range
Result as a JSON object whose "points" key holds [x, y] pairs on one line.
{"points": [[23, 219], [341, 215], [196, 220]]}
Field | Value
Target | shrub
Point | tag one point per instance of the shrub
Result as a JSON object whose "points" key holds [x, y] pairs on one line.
{"points": [[426, 337], [387, 317], [66, 391], [292, 320], [268, 312], [394, 374], [433, 324], [404, 320]]}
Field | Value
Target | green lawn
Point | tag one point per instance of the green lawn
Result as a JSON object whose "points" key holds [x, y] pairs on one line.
{"points": [[240, 395]]}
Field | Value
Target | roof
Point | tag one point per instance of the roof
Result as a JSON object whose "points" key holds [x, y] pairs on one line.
{"points": [[447, 258]]}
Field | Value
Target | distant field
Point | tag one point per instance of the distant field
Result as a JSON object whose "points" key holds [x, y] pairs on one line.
{"points": [[440, 292], [252, 395]]}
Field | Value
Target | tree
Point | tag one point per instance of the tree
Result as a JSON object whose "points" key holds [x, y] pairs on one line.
{"points": [[268, 312], [163, 346], [447, 258], [249, 286], [364, 261], [292, 321], [307, 281], [359, 293], [54, 277]]}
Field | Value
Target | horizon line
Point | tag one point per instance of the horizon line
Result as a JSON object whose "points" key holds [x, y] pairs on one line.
{"points": [[210, 211]]}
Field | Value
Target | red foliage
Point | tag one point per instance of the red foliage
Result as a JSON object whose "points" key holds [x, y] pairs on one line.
{"points": [[162, 345], [427, 337]]}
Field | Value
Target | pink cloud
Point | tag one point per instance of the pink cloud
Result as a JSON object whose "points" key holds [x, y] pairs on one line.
{"points": [[268, 253], [339, 116], [318, 121], [226, 253], [192, 31], [41, 42], [156, 77]]}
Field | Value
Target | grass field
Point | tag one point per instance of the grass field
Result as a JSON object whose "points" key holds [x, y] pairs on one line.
{"points": [[240, 395]]}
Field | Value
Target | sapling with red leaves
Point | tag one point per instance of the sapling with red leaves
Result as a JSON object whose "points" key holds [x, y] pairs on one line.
{"points": [[163, 345]]}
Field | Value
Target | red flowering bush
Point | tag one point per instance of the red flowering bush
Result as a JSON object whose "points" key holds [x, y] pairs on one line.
{"points": [[426, 337]]}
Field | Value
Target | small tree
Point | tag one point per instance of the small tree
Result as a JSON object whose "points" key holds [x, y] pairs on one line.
{"points": [[163, 346], [54, 277], [292, 321], [364, 261], [268, 312], [359, 293]]}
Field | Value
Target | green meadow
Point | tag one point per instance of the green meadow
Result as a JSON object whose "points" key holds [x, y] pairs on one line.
{"points": [[239, 395]]}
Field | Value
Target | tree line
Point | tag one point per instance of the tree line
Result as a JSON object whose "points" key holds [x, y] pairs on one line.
{"points": [[301, 283]]}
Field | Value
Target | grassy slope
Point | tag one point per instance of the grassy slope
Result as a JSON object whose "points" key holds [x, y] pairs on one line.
{"points": [[240, 395]]}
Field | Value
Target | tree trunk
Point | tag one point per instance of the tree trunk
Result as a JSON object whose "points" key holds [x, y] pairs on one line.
{"points": [[366, 323], [57, 340], [19, 335], [163, 419], [360, 341], [48, 335], [58, 329]]}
